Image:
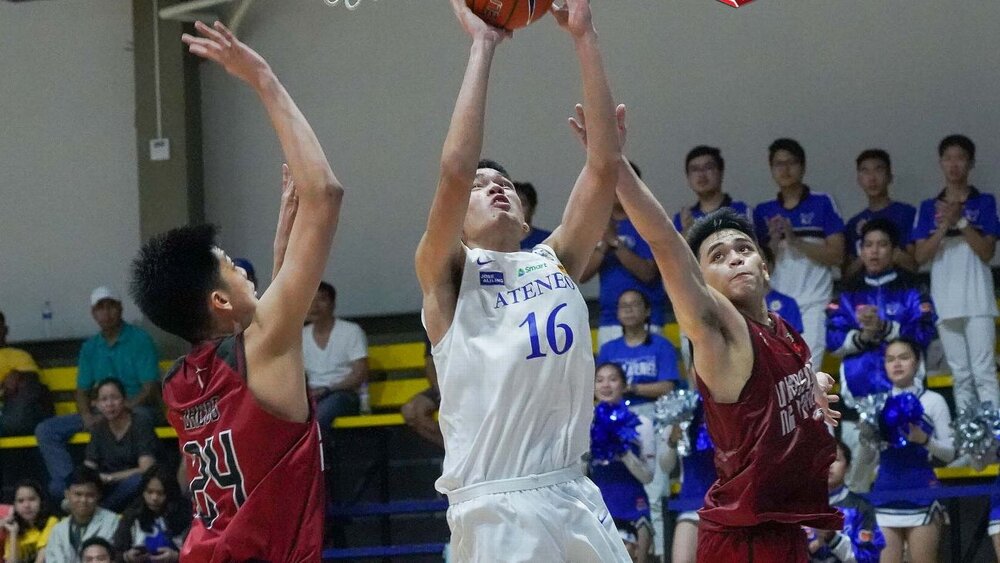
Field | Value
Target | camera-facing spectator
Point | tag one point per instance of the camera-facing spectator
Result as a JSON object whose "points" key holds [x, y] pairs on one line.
{"points": [[705, 167], [956, 233], [874, 169], [877, 305], [805, 232], [153, 528], [121, 351], [122, 446], [86, 519], [29, 525], [97, 550]]}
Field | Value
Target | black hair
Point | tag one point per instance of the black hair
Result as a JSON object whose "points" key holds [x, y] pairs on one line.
{"points": [[84, 475], [718, 220], [98, 540], [705, 150], [883, 225], [617, 367], [172, 278], [875, 154], [845, 450], [111, 381], [645, 303], [526, 191], [785, 144], [44, 512], [638, 171], [487, 163], [176, 510], [917, 350], [3, 319], [329, 290], [960, 141]]}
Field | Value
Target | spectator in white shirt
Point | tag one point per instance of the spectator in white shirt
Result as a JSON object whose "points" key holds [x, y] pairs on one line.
{"points": [[335, 352]]}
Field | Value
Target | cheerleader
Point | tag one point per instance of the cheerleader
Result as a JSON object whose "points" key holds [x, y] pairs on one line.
{"points": [[622, 480], [914, 525]]}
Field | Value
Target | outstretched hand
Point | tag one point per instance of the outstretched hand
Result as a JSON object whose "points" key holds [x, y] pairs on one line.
{"points": [[219, 44], [579, 124], [475, 26], [824, 398], [574, 16]]}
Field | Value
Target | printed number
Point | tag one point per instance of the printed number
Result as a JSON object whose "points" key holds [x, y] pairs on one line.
{"points": [[209, 470], [551, 334]]}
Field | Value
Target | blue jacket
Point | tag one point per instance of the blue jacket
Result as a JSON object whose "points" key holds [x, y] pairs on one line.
{"points": [[861, 535], [902, 301]]}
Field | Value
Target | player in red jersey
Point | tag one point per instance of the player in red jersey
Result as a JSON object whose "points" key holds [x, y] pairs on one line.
{"points": [[767, 410], [238, 400]]}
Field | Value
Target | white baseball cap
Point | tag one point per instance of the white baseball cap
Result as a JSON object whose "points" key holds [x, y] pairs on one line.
{"points": [[102, 293]]}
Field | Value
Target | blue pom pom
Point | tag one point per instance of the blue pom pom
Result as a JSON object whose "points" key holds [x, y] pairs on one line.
{"points": [[613, 432], [899, 412]]}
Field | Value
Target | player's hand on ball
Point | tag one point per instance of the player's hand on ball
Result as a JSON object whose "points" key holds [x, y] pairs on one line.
{"points": [[475, 26], [574, 16], [219, 44]]}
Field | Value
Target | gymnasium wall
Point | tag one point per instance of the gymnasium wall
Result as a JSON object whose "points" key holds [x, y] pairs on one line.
{"points": [[69, 212], [379, 85]]}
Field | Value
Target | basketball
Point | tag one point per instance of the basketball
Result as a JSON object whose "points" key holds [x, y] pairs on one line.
{"points": [[509, 14]]}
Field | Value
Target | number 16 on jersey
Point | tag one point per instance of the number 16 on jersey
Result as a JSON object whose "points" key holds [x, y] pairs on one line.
{"points": [[552, 332]]}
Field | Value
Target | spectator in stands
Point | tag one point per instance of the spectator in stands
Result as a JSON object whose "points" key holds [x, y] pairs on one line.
{"points": [[916, 524], [86, 519], [529, 202], [650, 364], [877, 305], [121, 447], [97, 550], [622, 481], [861, 540], [805, 232], [956, 232], [156, 523], [419, 410], [12, 359], [335, 352], [697, 475], [704, 167], [874, 176], [25, 402], [29, 525], [778, 302], [120, 350], [624, 261]]}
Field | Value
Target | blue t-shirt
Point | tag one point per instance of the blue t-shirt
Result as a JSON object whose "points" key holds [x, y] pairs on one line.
{"points": [[536, 236], [652, 361], [786, 307], [132, 359], [901, 214], [615, 279], [697, 213], [980, 210]]}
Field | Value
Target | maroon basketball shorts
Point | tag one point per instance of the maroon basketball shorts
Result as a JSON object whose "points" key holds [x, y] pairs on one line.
{"points": [[766, 543]]}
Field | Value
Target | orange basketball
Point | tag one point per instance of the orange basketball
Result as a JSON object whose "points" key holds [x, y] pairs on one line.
{"points": [[509, 14]]}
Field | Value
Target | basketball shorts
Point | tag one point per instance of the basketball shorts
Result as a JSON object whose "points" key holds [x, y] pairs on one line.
{"points": [[757, 544], [557, 516]]}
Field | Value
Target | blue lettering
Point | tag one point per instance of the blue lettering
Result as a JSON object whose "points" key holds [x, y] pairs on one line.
{"points": [[500, 301], [529, 292], [513, 295], [560, 281], [542, 284]]}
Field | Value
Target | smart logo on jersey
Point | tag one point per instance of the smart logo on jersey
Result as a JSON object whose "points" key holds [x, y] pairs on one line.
{"points": [[491, 278], [529, 269]]}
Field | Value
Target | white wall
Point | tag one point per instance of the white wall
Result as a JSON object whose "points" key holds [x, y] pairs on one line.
{"points": [[69, 215], [379, 83]]}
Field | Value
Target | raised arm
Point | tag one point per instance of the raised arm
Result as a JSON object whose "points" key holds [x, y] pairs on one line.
{"points": [[589, 206], [274, 338], [723, 354], [439, 253]]}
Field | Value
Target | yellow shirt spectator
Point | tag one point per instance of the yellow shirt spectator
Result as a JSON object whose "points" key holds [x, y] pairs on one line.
{"points": [[14, 359], [29, 543]]}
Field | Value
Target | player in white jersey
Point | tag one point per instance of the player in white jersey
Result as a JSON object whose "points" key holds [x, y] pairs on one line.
{"points": [[509, 331]]}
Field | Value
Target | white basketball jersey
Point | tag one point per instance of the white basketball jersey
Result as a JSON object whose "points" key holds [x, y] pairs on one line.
{"points": [[515, 369]]}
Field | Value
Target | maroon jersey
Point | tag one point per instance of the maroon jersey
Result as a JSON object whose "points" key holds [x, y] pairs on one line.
{"points": [[256, 480], [771, 455]]}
